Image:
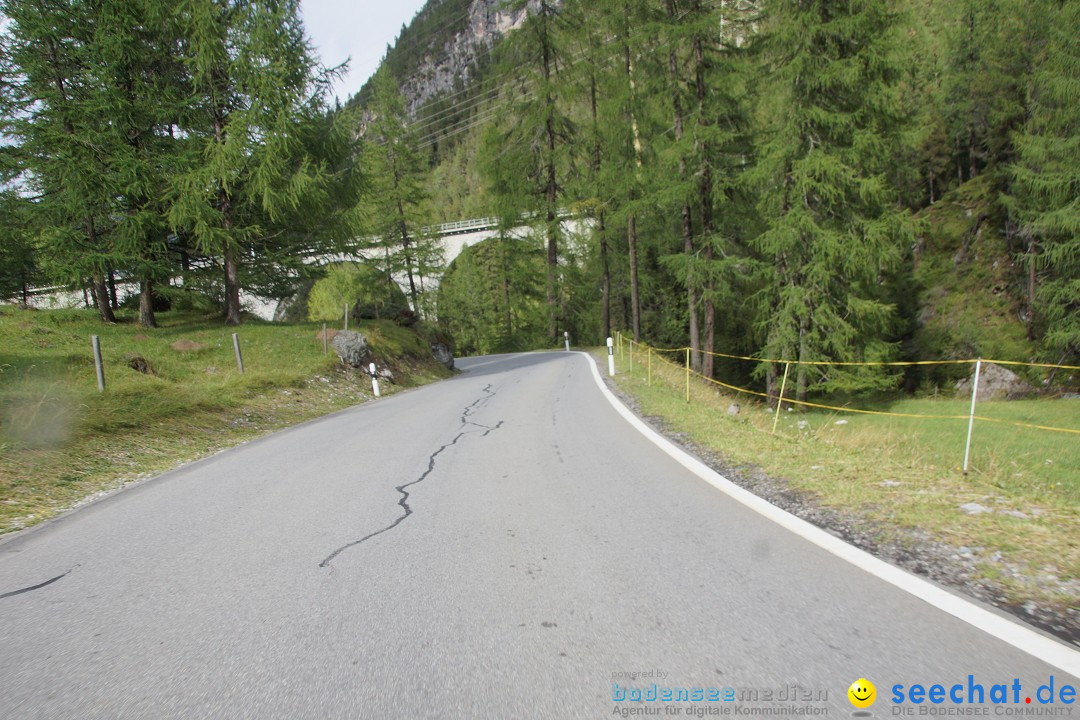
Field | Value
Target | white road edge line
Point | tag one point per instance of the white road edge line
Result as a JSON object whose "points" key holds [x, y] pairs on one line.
{"points": [[1041, 647]]}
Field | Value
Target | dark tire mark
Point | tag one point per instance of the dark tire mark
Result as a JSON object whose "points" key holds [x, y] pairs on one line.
{"points": [[50, 581]]}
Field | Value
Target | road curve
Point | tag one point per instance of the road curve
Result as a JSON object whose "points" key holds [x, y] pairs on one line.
{"points": [[498, 545]]}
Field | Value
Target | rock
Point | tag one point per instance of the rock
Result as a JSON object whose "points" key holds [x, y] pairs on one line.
{"points": [[1070, 396], [1014, 513], [733, 409], [443, 355], [996, 383], [187, 346], [387, 374], [140, 364], [294, 308], [974, 508], [891, 483], [840, 422], [331, 333], [352, 348]]}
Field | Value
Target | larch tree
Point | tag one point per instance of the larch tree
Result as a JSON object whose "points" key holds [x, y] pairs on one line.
{"points": [[1046, 181], [52, 116], [397, 168], [255, 85], [830, 121]]}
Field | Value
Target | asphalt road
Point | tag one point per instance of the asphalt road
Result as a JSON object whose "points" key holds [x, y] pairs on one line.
{"points": [[544, 550]]}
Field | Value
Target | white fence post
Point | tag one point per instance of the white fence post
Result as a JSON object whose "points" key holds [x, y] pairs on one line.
{"points": [[611, 357], [236, 349], [99, 366], [566, 337], [971, 416]]}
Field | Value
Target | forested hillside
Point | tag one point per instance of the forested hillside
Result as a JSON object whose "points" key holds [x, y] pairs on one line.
{"points": [[835, 181], [827, 181]]}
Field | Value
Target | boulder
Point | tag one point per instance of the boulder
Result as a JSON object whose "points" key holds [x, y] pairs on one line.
{"points": [[734, 409], [996, 383], [442, 354], [352, 348]]}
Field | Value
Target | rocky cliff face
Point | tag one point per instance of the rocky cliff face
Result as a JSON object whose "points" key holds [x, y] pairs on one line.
{"points": [[445, 64]]}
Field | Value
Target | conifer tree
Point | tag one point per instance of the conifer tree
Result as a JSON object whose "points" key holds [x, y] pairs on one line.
{"points": [[1046, 180], [61, 134], [830, 125], [255, 86], [540, 134], [397, 192]]}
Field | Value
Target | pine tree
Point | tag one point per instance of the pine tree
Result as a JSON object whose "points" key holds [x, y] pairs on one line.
{"points": [[830, 123], [1046, 180], [398, 196], [257, 90], [142, 90], [540, 133], [61, 134]]}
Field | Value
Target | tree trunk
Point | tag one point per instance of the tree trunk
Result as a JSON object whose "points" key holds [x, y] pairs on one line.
{"points": [[772, 387], [101, 297], [705, 190], [101, 293], [146, 304], [631, 221], [804, 355], [112, 290], [635, 298], [508, 319], [551, 190], [687, 223], [1031, 289], [605, 308], [232, 286], [691, 294]]}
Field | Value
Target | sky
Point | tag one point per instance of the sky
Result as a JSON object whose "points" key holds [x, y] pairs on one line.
{"points": [[356, 29]]}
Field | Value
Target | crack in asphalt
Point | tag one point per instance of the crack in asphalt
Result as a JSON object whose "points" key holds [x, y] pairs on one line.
{"points": [[404, 501], [40, 585]]}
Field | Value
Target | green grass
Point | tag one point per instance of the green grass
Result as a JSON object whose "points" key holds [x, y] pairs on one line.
{"points": [[903, 474], [61, 440]]}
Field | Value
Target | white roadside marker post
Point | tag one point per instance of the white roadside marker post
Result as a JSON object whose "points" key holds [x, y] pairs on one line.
{"points": [[611, 357], [971, 417], [374, 379], [566, 337]]}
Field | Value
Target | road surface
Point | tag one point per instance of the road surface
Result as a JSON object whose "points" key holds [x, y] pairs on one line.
{"points": [[498, 545]]}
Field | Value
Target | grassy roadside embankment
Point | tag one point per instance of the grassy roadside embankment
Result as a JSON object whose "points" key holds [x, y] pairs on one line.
{"points": [[901, 476], [62, 441]]}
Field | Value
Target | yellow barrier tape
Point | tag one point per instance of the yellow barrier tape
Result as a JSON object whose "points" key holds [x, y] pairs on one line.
{"points": [[1028, 364], [1027, 425], [840, 409], [981, 418], [830, 362], [908, 363]]}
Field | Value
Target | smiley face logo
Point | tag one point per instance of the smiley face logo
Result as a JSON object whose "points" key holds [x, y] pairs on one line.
{"points": [[862, 693]]}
